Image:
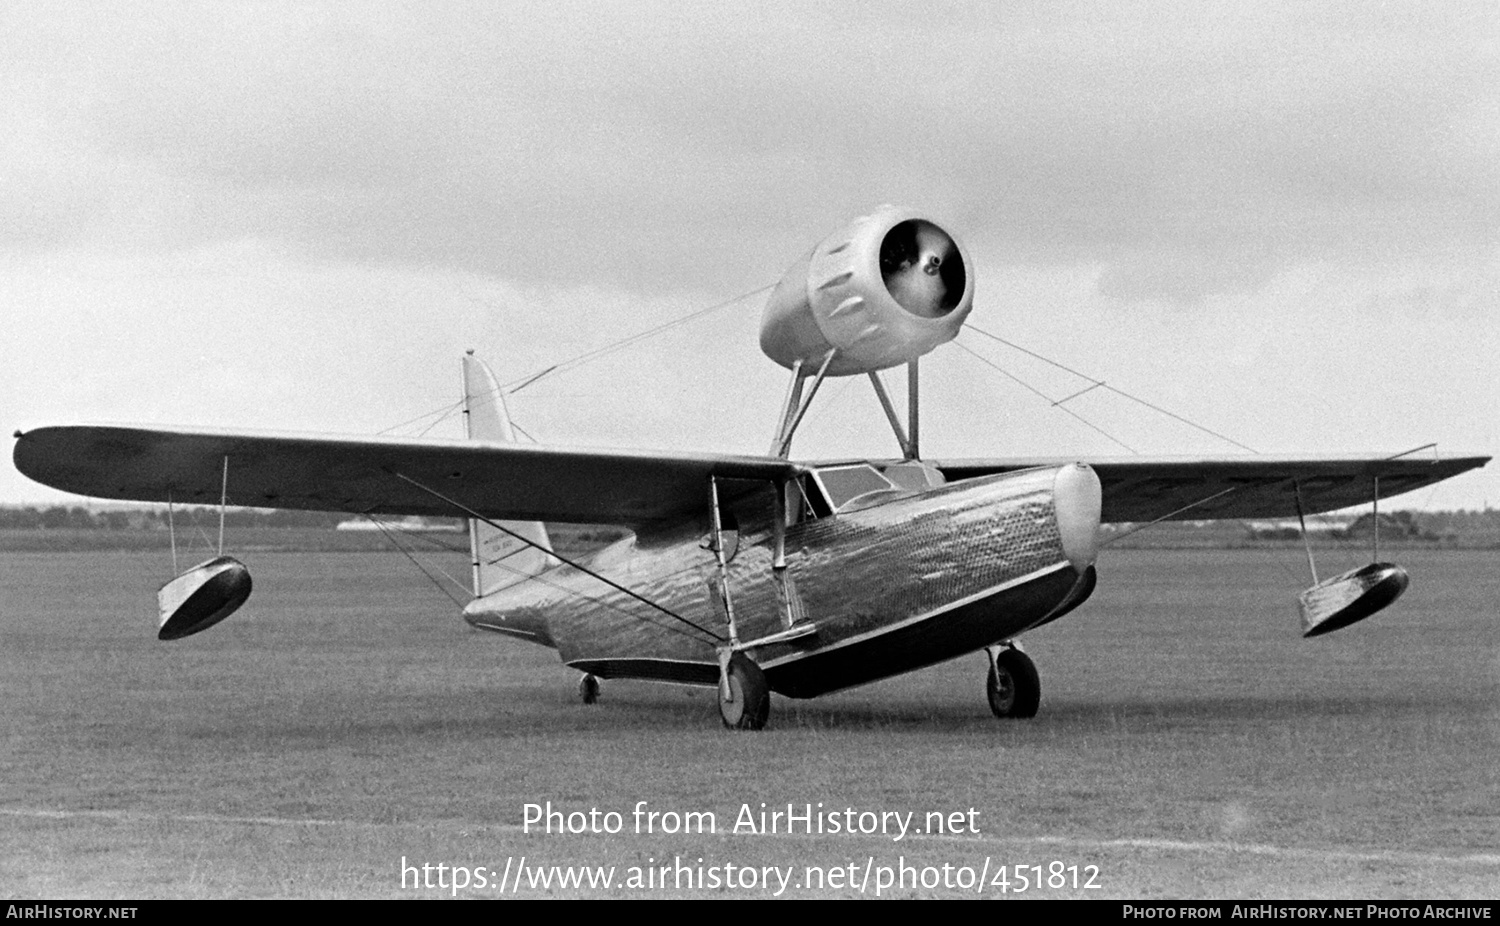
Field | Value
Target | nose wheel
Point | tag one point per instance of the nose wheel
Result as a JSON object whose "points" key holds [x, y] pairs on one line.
{"points": [[1014, 688], [588, 689], [744, 697]]}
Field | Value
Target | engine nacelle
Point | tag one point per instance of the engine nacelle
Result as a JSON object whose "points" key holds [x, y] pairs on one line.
{"points": [[884, 290]]}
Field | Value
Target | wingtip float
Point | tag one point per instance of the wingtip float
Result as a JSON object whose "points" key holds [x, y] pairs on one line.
{"points": [[1344, 599], [202, 596]]}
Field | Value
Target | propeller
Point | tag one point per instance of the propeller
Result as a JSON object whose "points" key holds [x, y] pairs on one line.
{"points": [[922, 269]]}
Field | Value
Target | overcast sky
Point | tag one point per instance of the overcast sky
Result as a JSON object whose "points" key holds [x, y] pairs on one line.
{"points": [[1280, 220]]}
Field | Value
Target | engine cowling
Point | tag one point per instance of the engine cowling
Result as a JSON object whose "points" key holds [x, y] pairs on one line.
{"points": [[884, 290]]}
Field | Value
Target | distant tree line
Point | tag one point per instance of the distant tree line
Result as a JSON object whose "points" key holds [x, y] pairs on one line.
{"points": [[1445, 523], [1396, 524], [1429, 525], [77, 517], [1405, 525]]}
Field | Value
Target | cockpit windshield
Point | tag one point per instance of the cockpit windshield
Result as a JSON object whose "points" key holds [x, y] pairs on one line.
{"points": [[844, 484]]}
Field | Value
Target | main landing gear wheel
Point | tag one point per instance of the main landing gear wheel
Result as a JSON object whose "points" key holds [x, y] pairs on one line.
{"points": [[588, 689], [1014, 688], [749, 701]]}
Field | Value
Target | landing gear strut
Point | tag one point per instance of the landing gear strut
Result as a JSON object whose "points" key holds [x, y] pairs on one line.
{"points": [[1013, 687], [744, 697], [588, 689]]}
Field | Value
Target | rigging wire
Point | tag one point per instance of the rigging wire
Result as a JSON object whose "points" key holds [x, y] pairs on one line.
{"points": [[172, 532], [442, 546], [516, 385], [443, 412], [192, 514], [608, 604], [441, 418], [416, 562], [431, 541], [531, 543], [1098, 383], [1037, 392], [511, 388], [832, 399], [1095, 383]]}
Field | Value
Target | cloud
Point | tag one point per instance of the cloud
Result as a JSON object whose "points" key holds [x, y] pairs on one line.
{"points": [[1189, 186], [1194, 150]]}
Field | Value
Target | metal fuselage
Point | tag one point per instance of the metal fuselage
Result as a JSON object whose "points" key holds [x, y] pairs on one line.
{"points": [[903, 580]]}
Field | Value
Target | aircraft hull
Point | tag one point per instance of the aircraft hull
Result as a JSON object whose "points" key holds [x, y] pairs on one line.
{"points": [[936, 638], [918, 579]]}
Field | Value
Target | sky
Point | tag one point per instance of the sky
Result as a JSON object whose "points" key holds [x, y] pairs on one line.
{"points": [[1280, 221]]}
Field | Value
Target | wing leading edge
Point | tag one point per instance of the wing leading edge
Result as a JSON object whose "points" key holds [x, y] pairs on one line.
{"points": [[511, 481], [1204, 488], [363, 474]]}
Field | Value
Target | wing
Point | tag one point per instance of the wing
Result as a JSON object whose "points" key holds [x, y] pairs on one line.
{"points": [[1204, 488], [365, 474]]}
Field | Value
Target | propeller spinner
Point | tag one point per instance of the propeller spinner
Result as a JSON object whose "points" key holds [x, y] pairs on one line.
{"points": [[918, 270]]}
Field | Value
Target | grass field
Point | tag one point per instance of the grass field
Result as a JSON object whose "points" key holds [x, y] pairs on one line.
{"points": [[1190, 743]]}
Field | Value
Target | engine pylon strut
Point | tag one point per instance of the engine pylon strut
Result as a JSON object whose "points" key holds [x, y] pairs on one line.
{"points": [[795, 407]]}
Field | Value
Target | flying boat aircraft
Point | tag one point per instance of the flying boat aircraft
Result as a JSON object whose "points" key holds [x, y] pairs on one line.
{"points": [[753, 573]]}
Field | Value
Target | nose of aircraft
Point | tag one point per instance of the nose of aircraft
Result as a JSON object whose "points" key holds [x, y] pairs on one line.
{"points": [[1078, 500]]}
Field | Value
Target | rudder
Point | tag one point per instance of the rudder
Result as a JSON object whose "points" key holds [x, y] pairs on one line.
{"points": [[500, 560]]}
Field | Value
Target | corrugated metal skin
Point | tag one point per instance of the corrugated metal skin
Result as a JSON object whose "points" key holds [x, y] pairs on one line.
{"points": [[859, 573]]}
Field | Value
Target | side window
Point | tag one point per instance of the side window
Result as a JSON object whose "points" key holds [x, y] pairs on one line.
{"points": [[805, 500]]}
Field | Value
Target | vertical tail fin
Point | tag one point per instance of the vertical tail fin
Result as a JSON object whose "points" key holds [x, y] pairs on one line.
{"points": [[500, 560]]}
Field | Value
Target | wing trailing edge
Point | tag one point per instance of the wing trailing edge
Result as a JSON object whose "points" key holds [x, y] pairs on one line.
{"points": [[359, 474], [1263, 486]]}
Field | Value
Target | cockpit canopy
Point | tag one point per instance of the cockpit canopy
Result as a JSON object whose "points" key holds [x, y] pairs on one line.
{"points": [[851, 486], [843, 486]]}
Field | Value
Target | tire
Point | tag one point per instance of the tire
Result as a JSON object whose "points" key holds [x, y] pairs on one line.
{"points": [[588, 689], [752, 697], [1014, 688]]}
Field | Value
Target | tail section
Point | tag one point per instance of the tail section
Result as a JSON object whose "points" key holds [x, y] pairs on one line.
{"points": [[500, 560]]}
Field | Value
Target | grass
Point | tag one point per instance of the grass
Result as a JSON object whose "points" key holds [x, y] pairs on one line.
{"points": [[1190, 744]]}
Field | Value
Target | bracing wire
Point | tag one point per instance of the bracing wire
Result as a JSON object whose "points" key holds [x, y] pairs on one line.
{"points": [[607, 604], [172, 531], [442, 546], [192, 514], [531, 543], [1100, 384], [442, 413], [431, 541], [1095, 383], [516, 385], [1037, 392], [416, 562], [441, 418], [833, 398]]}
